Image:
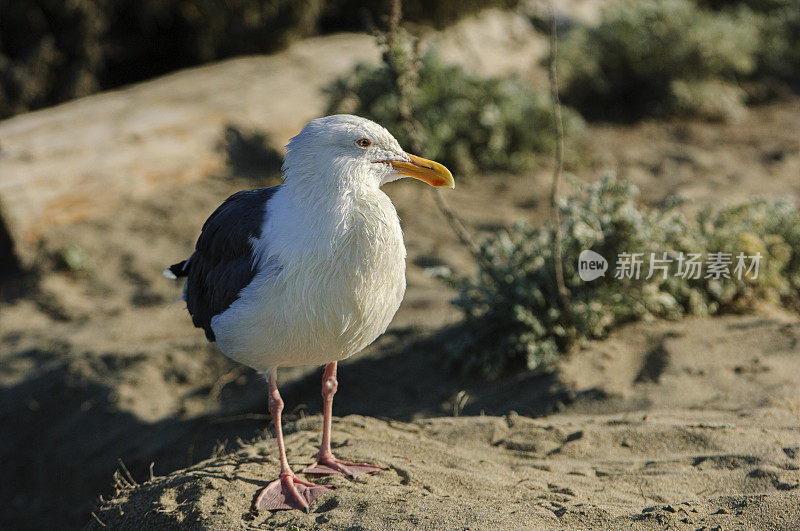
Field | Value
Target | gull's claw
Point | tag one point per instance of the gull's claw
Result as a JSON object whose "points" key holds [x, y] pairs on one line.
{"points": [[289, 492], [326, 466]]}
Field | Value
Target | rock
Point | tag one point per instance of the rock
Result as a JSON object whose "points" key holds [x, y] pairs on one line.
{"points": [[84, 158]]}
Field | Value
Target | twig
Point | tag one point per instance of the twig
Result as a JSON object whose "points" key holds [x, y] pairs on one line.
{"points": [[395, 16], [127, 472], [460, 402], [224, 380], [405, 80], [457, 225], [563, 293], [98, 519]]}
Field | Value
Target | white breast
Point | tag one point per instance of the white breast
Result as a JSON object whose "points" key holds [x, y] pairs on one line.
{"points": [[342, 279]]}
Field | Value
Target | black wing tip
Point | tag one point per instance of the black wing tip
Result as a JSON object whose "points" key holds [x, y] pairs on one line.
{"points": [[176, 271]]}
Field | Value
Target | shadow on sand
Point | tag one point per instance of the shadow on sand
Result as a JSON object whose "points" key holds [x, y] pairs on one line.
{"points": [[66, 429]]}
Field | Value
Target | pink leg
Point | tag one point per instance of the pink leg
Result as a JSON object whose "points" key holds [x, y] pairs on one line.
{"points": [[288, 491], [326, 463]]}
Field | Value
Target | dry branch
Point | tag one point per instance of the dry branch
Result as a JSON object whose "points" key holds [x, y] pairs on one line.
{"points": [[406, 77], [555, 215]]}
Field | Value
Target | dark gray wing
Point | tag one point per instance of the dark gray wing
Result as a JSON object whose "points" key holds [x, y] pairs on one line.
{"points": [[222, 264]]}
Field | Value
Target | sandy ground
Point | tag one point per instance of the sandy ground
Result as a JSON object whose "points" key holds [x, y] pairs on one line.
{"points": [[647, 434], [687, 424]]}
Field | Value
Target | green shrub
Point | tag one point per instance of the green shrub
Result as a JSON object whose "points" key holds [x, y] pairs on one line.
{"points": [[659, 58], [778, 23], [779, 51], [511, 321], [466, 122]]}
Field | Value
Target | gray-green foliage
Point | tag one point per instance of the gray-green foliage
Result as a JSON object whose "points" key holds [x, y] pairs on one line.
{"points": [[778, 23], [658, 58], [71, 257], [511, 319], [779, 51], [465, 122]]}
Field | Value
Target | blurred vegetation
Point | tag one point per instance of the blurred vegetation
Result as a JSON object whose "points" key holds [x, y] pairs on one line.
{"points": [[466, 122], [648, 58], [778, 22], [512, 324], [670, 57], [659, 57], [71, 257], [52, 51]]}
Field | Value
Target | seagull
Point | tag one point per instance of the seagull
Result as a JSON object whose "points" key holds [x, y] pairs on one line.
{"points": [[308, 272]]}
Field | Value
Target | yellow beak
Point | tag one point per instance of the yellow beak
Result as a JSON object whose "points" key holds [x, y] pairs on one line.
{"points": [[425, 170]]}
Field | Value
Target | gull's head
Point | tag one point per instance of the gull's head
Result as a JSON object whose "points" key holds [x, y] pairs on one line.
{"points": [[346, 150]]}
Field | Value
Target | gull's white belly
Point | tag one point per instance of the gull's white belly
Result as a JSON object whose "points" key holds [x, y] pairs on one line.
{"points": [[318, 311]]}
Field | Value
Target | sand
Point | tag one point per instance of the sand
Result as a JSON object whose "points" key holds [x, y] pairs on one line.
{"points": [[687, 441], [687, 424]]}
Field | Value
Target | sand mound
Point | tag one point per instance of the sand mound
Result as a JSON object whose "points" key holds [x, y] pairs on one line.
{"points": [[510, 472], [706, 434]]}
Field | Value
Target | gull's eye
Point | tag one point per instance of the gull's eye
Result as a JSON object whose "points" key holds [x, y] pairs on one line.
{"points": [[363, 143]]}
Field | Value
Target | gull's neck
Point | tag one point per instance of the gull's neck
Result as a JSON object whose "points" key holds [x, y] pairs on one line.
{"points": [[319, 213], [329, 197]]}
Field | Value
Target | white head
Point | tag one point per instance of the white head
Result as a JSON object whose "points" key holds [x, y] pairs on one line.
{"points": [[346, 151]]}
